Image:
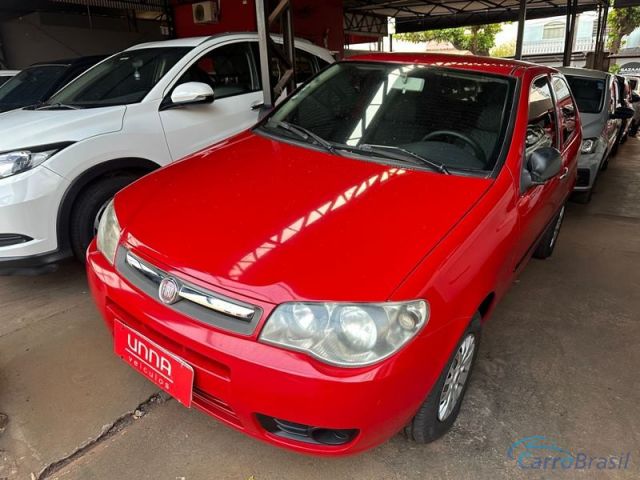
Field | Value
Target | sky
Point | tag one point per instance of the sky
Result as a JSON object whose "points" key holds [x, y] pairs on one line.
{"points": [[508, 33]]}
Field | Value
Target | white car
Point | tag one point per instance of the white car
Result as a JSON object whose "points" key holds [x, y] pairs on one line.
{"points": [[143, 108], [7, 74]]}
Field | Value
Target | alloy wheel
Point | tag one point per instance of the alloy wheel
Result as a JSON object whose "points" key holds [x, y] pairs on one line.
{"points": [[456, 377]]}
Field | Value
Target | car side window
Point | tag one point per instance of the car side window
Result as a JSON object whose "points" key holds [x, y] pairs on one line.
{"points": [[322, 63], [542, 124], [306, 65], [567, 108], [228, 69]]}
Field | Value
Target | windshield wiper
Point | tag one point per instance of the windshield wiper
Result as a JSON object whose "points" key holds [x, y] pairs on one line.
{"points": [[304, 133], [399, 153], [56, 106]]}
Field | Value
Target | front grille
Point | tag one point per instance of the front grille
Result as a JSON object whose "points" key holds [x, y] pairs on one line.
{"points": [[191, 300], [216, 407], [206, 363], [207, 370], [584, 174], [8, 239]]}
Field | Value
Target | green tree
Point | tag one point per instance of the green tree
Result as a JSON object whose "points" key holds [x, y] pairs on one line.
{"points": [[504, 50], [621, 22], [478, 39]]}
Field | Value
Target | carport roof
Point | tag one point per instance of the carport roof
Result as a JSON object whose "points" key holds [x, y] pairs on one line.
{"points": [[417, 15]]}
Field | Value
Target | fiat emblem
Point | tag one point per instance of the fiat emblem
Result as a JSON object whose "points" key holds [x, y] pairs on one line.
{"points": [[168, 290]]}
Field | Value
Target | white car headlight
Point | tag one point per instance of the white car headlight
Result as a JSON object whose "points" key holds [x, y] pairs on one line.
{"points": [[589, 145], [18, 161], [108, 233], [345, 334]]}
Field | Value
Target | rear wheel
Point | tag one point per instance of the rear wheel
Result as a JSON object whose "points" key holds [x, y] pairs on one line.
{"points": [[88, 208], [550, 237], [439, 411]]}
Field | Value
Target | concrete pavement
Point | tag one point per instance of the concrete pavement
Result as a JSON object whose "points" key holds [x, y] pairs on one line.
{"points": [[560, 358]]}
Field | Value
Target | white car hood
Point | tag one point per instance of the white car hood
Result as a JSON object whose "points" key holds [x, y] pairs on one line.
{"points": [[31, 128]]}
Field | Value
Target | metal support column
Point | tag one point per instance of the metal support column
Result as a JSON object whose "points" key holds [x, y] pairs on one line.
{"points": [[596, 46], [570, 31], [601, 36], [167, 10], [522, 18], [272, 54]]}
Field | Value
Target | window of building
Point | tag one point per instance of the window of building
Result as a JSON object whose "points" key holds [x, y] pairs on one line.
{"points": [[553, 31]]}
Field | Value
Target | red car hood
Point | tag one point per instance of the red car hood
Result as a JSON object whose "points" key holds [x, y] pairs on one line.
{"points": [[278, 222]]}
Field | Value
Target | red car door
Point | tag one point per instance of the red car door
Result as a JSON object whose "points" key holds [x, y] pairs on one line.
{"points": [[538, 204]]}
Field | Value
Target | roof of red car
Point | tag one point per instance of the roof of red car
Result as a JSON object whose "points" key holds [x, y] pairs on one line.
{"points": [[501, 66]]}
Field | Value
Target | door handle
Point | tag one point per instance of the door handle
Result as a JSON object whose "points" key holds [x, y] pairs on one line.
{"points": [[257, 105], [564, 173]]}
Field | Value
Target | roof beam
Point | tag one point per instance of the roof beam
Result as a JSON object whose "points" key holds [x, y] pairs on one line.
{"points": [[435, 22]]}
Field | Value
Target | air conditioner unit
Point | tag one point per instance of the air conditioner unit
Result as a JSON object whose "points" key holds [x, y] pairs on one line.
{"points": [[205, 12]]}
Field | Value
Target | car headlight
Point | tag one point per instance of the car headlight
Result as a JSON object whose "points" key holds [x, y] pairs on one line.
{"points": [[18, 161], [589, 145], [108, 233], [345, 334]]}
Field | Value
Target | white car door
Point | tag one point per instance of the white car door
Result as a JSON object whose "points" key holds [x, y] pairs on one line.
{"points": [[231, 71]]}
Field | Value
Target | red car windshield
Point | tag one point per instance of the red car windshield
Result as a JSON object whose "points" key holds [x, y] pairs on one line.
{"points": [[455, 120]]}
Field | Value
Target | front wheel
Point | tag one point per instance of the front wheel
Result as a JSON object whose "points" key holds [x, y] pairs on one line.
{"points": [[88, 208], [440, 410]]}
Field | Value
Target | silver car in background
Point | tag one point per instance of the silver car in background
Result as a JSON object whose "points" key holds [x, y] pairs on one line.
{"points": [[597, 97]]}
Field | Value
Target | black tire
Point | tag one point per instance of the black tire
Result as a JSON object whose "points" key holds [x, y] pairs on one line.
{"points": [[550, 237], [582, 197], [86, 208], [604, 165], [426, 426]]}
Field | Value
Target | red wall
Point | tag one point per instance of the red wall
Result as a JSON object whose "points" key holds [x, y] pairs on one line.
{"points": [[235, 16], [320, 22]]}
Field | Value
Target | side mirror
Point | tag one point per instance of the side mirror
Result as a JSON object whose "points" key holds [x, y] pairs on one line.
{"points": [[543, 164], [191, 93], [635, 98], [623, 113]]}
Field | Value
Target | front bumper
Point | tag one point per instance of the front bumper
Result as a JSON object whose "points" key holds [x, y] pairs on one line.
{"points": [[588, 167], [28, 214], [239, 380]]}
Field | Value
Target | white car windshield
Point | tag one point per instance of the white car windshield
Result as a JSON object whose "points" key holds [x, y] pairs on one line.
{"points": [[122, 79]]}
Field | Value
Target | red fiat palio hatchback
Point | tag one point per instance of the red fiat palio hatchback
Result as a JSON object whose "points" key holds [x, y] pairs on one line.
{"points": [[320, 281]]}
